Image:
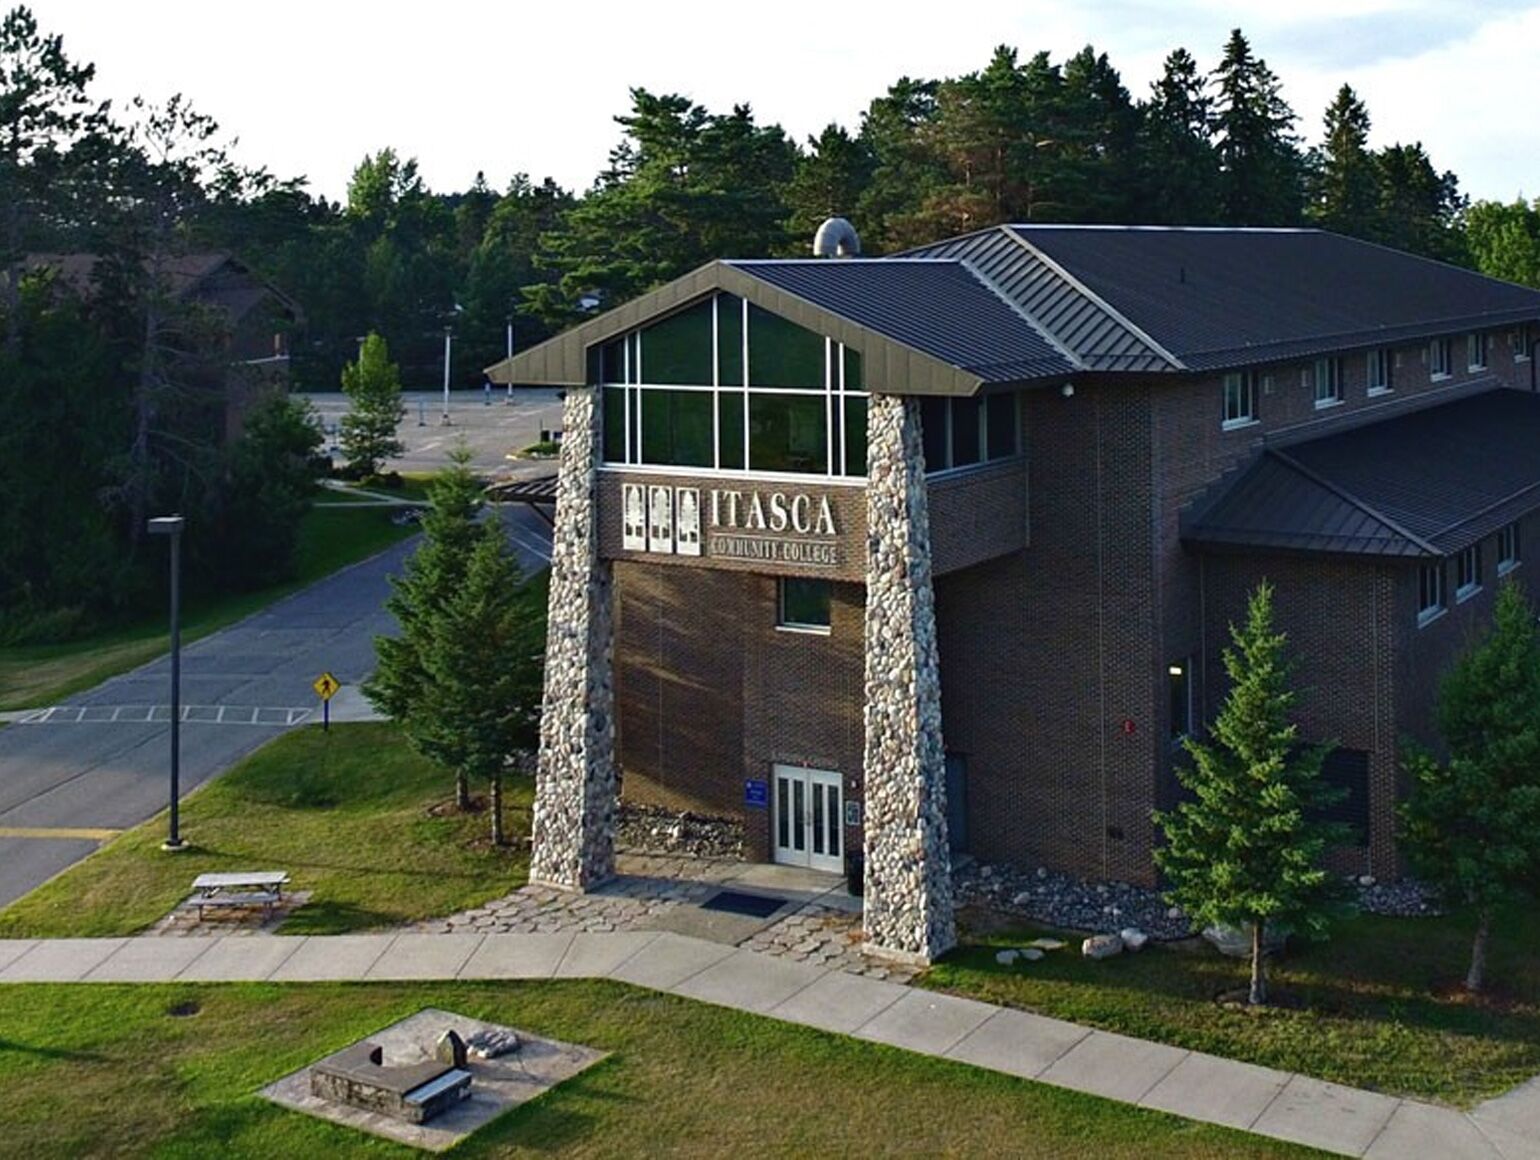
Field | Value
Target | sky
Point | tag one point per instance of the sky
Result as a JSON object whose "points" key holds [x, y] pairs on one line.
{"points": [[507, 87]]}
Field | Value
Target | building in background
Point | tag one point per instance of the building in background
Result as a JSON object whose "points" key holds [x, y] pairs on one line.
{"points": [[931, 554]]}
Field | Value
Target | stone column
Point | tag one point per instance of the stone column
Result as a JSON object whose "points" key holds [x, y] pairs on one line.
{"points": [[573, 844], [908, 889]]}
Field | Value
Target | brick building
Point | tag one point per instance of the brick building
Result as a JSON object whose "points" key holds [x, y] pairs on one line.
{"points": [[937, 553]]}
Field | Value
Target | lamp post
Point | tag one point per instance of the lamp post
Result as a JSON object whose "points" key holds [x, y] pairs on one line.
{"points": [[510, 356], [448, 337], [172, 526]]}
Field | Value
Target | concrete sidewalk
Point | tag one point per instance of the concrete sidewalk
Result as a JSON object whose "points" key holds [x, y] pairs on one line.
{"points": [[1151, 1075]]}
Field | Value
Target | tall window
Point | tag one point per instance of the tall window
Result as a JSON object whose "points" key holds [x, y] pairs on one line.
{"points": [[1519, 339], [1467, 567], [1430, 595], [1328, 382], [964, 432], [1240, 399], [1476, 351], [725, 385], [803, 605], [1441, 358], [1179, 684], [1507, 549], [1379, 371]]}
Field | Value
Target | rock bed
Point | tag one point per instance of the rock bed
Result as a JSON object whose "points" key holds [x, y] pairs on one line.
{"points": [[1405, 899], [1058, 900], [652, 830]]}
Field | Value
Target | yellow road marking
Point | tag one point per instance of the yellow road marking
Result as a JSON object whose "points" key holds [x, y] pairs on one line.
{"points": [[58, 832]]}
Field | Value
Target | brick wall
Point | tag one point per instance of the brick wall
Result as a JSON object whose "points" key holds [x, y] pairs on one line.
{"points": [[710, 692], [977, 515]]}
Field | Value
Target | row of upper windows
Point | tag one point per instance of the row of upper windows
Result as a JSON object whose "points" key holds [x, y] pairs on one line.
{"points": [[1325, 378], [1432, 580]]}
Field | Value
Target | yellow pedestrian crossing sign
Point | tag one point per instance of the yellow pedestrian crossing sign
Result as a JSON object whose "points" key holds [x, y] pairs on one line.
{"points": [[326, 686]]}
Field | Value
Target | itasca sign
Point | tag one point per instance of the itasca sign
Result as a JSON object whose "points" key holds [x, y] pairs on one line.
{"points": [[773, 527]]}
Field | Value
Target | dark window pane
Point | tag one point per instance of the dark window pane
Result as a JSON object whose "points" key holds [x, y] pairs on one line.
{"points": [[594, 370], [787, 433], [614, 425], [676, 428], [805, 603], [730, 419], [730, 340], [965, 431], [678, 349], [635, 397], [855, 436], [1181, 700], [1002, 426], [613, 362], [853, 380], [933, 426], [783, 354]]}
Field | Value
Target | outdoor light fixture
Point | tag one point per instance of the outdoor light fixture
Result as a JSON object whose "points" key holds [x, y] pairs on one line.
{"points": [[172, 526], [1175, 670], [1067, 390]]}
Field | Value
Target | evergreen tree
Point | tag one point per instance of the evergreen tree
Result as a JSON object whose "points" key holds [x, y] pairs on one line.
{"points": [[897, 130], [1179, 165], [373, 387], [1345, 194], [829, 181], [1260, 165], [400, 685], [1097, 156], [1472, 825], [1246, 849], [484, 669], [1419, 207]]}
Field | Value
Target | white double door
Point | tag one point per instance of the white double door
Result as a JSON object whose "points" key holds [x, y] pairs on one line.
{"points": [[809, 818]]}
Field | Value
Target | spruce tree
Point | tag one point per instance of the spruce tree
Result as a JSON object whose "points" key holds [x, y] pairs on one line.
{"points": [[1180, 168], [1260, 179], [1246, 848], [373, 387], [1472, 825], [1346, 188], [484, 670], [434, 574]]}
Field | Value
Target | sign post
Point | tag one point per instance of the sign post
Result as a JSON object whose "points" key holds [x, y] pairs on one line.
{"points": [[326, 687]]}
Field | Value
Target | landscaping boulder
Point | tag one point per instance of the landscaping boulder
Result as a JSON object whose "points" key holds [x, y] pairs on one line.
{"points": [[1047, 944], [1102, 946], [1031, 954], [1133, 938], [1006, 958], [1235, 941], [450, 1049]]}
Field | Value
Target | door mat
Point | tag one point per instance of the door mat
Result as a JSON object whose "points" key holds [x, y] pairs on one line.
{"points": [[751, 905]]}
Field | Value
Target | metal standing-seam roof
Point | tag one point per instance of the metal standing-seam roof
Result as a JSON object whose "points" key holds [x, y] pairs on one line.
{"points": [[940, 307], [1423, 484]]}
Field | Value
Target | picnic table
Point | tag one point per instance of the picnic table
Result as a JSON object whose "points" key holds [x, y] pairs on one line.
{"points": [[262, 888]]}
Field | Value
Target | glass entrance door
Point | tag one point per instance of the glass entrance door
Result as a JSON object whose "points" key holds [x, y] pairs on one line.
{"points": [[809, 818]]}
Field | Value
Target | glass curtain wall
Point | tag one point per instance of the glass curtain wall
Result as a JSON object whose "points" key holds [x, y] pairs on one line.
{"points": [[728, 386]]}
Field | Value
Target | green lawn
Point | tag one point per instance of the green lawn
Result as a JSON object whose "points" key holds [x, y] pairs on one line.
{"points": [[346, 813], [104, 1070], [1370, 1010], [330, 538]]}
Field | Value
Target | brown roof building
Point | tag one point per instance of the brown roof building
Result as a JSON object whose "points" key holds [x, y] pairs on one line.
{"points": [[932, 554]]}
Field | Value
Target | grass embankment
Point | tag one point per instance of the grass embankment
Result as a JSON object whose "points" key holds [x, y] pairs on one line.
{"points": [[121, 1076], [1372, 1008], [330, 538], [346, 813]]}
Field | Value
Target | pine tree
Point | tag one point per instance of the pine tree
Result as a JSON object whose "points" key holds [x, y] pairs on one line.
{"points": [[484, 670], [1346, 188], [1180, 167], [373, 387], [1246, 849], [830, 179], [1260, 164], [1472, 826], [399, 687]]}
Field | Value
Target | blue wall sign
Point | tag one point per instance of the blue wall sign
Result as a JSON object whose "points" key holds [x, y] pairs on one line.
{"points": [[756, 793]]}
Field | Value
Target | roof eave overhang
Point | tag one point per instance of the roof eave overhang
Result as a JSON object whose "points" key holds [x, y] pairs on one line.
{"points": [[889, 366]]}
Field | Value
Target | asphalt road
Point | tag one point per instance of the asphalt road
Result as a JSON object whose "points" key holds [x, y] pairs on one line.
{"points": [[101, 761]]}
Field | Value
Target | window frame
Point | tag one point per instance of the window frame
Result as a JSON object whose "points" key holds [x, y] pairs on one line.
{"points": [[1327, 372], [1440, 359], [1519, 341], [784, 623], [1245, 384], [1429, 611], [948, 437], [1467, 572], [1382, 357], [1510, 550], [1478, 346]]}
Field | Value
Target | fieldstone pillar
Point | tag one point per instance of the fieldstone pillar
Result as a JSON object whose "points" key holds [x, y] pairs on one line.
{"points": [[573, 843], [908, 888]]}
